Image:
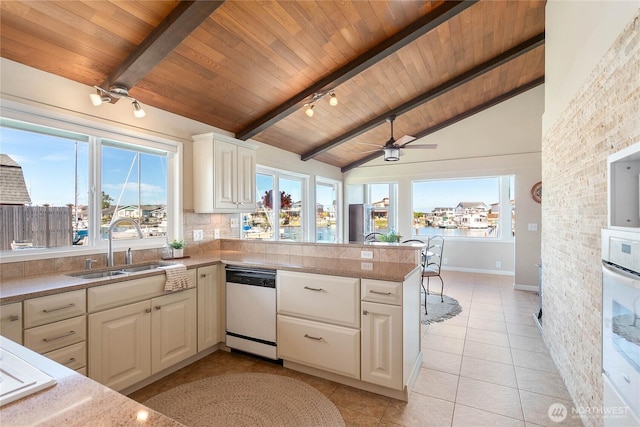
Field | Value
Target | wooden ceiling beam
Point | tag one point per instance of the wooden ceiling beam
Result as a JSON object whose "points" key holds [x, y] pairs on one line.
{"points": [[495, 101], [445, 87], [431, 20], [182, 21]]}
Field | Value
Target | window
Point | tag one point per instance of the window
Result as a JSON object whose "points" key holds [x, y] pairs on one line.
{"points": [[383, 199], [61, 188], [327, 217], [458, 207], [281, 217]]}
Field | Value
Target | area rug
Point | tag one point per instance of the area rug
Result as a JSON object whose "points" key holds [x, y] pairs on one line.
{"points": [[439, 311], [251, 399]]}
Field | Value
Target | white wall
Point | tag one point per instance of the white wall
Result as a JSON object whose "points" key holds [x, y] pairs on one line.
{"points": [[577, 34], [503, 140]]}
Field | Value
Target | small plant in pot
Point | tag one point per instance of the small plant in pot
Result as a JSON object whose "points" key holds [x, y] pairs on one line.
{"points": [[177, 247]]}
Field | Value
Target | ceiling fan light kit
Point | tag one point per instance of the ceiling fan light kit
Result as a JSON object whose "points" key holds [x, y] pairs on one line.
{"points": [[391, 154], [116, 92]]}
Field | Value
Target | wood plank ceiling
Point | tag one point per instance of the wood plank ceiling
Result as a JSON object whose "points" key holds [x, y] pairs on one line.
{"points": [[250, 66]]}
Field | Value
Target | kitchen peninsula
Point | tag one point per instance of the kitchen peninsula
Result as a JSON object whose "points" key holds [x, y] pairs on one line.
{"points": [[392, 275]]}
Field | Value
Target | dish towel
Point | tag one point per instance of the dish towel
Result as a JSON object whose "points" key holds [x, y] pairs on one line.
{"points": [[177, 278]]}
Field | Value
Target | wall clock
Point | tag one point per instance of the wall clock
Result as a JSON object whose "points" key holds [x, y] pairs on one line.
{"points": [[536, 192]]}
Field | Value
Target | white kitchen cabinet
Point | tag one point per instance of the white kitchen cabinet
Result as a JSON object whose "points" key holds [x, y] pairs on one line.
{"points": [[120, 345], [224, 174], [208, 312], [173, 329], [56, 325], [128, 344], [381, 327], [11, 321]]}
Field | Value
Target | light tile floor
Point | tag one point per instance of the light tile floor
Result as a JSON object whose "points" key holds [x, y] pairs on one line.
{"points": [[488, 366]]}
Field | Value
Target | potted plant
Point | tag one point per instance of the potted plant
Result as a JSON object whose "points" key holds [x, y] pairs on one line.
{"points": [[177, 247]]}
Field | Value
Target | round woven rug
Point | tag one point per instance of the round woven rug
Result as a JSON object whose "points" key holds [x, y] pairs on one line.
{"points": [[439, 311], [247, 400]]}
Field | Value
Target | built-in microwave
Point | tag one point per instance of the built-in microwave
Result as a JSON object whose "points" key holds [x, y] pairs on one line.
{"points": [[624, 188]]}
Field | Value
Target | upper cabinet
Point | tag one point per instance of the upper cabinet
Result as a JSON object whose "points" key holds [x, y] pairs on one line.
{"points": [[224, 174]]}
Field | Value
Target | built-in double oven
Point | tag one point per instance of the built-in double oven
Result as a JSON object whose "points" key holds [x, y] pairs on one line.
{"points": [[621, 290]]}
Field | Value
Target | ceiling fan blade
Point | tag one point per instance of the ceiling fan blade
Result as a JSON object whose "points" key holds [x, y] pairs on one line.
{"points": [[367, 143], [405, 140], [424, 146], [369, 151]]}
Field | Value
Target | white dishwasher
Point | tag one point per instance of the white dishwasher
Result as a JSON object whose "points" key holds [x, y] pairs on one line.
{"points": [[251, 310]]}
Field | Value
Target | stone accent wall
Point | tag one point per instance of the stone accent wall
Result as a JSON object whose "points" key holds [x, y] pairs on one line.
{"points": [[603, 118]]}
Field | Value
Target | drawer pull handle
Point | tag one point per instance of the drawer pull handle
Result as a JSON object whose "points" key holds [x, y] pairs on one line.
{"points": [[626, 378], [14, 317], [68, 334], [380, 293], [51, 310], [70, 361], [203, 275], [313, 338], [314, 289]]}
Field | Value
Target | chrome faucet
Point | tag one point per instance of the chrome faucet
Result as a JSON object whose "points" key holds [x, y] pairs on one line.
{"points": [[111, 227]]}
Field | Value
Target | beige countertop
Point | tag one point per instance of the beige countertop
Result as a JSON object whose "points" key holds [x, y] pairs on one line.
{"points": [[74, 400], [47, 284]]}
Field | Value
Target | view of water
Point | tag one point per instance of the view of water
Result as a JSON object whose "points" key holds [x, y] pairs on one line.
{"points": [[458, 232]]}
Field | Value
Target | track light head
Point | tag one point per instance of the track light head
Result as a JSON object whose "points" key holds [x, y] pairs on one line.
{"points": [[309, 110], [98, 98], [137, 109], [333, 101]]}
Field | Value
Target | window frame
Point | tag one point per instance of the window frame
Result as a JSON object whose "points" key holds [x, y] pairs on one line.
{"points": [[97, 131], [320, 180], [392, 211]]}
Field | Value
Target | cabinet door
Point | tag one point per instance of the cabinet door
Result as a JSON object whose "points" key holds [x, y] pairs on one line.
{"points": [[173, 329], [119, 345], [208, 312], [11, 321], [246, 186], [382, 344], [225, 164]]}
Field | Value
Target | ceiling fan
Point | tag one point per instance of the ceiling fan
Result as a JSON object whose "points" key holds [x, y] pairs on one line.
{"points": [[392, 147]]}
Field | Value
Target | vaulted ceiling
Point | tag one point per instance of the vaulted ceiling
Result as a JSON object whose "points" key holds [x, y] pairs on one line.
{"points": [[249, 67]]}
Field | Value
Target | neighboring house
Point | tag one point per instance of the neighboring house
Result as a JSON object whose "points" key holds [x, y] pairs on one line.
{"points": [[13, 189], [470, 207]]}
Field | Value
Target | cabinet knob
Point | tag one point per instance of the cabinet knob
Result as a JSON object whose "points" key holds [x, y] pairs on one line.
{"points": [[147, 310], [158, 307], [365, 312], [203, 275]]}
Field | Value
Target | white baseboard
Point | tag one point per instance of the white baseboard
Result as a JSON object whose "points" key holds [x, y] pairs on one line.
{"points": [[479, 270], [529, 288]]}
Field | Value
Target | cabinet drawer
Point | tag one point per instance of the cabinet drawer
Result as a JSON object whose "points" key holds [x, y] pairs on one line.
{"points": [[43, 310], [329, 299], [122, 293], [327, 347], [73, 356], [382, 291], [56, 335]]}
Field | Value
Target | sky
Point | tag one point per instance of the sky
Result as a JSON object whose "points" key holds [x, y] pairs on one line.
{"points": [[428, 195], [49, 169]]}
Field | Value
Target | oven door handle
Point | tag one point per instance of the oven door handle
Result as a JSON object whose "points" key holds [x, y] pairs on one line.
{"points": [[621, 276]]}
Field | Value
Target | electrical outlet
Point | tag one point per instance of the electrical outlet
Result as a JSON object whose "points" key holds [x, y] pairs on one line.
{"points": [[234, 222], [198, 235], [532, 227], [498, 264], [366, 266], [366, 254], [216, 233]]}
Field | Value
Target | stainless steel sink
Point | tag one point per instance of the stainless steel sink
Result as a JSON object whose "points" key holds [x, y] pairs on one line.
{"points": [[120, 271], [99, 274]]}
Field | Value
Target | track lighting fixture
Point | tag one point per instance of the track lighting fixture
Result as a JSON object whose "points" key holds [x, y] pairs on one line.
{"points": [[333, 101], [116, 92]]}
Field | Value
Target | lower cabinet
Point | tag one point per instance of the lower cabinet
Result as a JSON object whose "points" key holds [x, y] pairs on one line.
{"points": [[129, 343], [208, 310], [381, 327], [320, 345], [11, 321]]}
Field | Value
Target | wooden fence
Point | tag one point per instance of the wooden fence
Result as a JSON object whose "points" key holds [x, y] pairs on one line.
{"points": [[43, 226]]}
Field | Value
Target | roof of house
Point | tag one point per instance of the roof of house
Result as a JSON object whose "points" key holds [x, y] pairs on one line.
{"points": [[13, 189]]}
